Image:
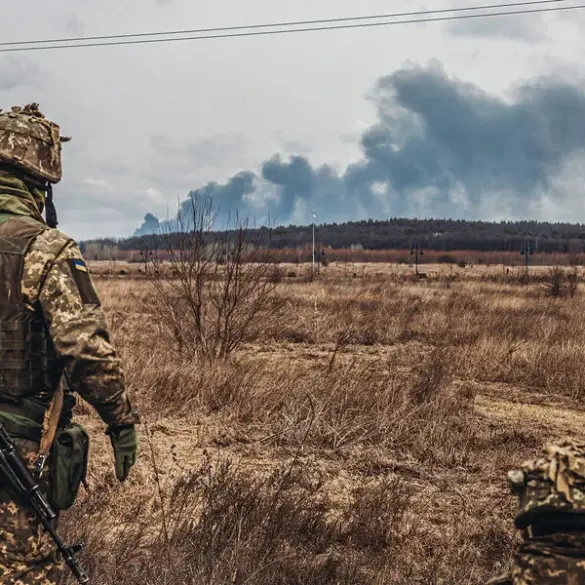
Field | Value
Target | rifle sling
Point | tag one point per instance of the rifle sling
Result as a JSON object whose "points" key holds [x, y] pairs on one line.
{"points": [[51, 421]]}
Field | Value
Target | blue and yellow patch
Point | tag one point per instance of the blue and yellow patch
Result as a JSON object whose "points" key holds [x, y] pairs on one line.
{"points": [[81, 277], [79, 265]]}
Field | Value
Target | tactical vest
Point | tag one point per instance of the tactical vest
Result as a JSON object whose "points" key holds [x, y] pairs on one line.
{"points": [[28, 364]]}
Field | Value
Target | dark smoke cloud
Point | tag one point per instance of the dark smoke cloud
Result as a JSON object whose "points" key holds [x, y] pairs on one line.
{"points": [[229, 196], [441, 147], [151, 225]]}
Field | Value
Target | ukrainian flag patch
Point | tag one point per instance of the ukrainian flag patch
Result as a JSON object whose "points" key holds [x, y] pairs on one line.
{"points": [[84, 284], [79, 265]]}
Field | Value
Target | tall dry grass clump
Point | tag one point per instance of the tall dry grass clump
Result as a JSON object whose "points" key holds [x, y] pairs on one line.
{"points": [[222, 523]]}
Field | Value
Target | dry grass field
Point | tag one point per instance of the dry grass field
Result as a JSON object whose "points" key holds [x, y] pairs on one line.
{"points": [[360, 436]]}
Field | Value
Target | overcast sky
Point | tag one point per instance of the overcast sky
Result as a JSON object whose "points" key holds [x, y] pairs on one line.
{"points": [[151, 122]]}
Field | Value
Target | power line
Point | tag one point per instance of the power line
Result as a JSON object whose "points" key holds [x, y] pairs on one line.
{"points": [[281, 24], [297, 30]]}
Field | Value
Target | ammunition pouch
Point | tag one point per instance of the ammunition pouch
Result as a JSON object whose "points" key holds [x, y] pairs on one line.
{"points": [[68, 464], [21, 427], [23, 418]]}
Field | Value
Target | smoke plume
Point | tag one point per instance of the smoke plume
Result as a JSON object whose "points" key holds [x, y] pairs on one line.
{"points": [[440, 147]]}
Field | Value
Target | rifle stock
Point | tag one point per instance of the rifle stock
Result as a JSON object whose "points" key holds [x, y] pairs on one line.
{"points": [[24, 484]]}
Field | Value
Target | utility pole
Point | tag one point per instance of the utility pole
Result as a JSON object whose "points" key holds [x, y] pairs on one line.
{"points": [[527, 251], [314, 215], [416, 251]]}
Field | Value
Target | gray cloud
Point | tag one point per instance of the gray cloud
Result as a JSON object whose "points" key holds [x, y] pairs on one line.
{"points": [[101, 199], [165, 146], [210, 151], [440, 147], [295, 146], [16, 72], [308, 86], [437, 132], [292, 144], [530, 28], [113, 167]]}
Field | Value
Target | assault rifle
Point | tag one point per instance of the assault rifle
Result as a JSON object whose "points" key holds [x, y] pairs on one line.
{"points": [[26, 487]]}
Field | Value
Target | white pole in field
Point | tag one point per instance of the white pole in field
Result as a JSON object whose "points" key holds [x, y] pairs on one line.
{"points": [[314, 215]]}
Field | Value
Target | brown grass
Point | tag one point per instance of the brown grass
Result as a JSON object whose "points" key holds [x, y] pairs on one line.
{"points": [[361, 437], [115, 259]]}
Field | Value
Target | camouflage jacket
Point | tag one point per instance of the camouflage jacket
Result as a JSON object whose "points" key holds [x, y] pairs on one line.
{"points": [[56, 279]]}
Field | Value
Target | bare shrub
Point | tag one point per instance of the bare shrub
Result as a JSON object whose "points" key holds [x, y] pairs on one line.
{"points": [[572, 282], [376, 520], [219, 290], [556, 286], [430, 375], [344, 338], [557, 282]]}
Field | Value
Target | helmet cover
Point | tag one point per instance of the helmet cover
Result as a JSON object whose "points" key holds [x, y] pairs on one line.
{"points": [[31, 143], [551, 483]]}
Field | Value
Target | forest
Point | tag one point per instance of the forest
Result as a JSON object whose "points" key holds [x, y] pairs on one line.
{"points": [[441, 235]]}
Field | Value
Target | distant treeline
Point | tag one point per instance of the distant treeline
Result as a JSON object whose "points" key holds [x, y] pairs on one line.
{"points": [[400, 234]]}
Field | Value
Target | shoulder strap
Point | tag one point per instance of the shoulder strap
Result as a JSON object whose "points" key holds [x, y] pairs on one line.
{"points": [[16, 237], [44, 243], [22, 226], [49, 431]]}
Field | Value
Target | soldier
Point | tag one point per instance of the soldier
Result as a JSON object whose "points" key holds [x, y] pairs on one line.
{"points": [[551, 515], [51, 324]]}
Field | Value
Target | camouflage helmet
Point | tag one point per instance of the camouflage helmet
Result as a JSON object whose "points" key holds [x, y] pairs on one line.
{"points": [[553, 482], [31, 143]]}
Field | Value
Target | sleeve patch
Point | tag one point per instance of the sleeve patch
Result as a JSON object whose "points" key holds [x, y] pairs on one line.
{"points": [[79, 265], [82, 280]]}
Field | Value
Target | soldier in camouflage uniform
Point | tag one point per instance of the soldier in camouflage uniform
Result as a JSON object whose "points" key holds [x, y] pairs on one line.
{"points": [[51, 324], [551, 492]]}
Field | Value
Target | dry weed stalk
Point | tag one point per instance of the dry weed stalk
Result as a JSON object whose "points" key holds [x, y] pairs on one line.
{"points": [[215, 287]]}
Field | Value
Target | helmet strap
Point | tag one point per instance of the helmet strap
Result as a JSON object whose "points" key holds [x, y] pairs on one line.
{"points": [[50, 211]]}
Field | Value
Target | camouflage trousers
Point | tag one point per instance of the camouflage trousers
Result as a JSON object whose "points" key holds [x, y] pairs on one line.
{"points": [[27, 555], [553, 560]]}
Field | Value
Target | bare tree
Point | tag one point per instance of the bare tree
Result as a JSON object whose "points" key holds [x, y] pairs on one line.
{"points": [[216, 287], [559, 283]]}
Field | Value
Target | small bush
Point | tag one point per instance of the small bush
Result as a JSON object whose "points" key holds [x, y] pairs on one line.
{"points": [[556, 282]]}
